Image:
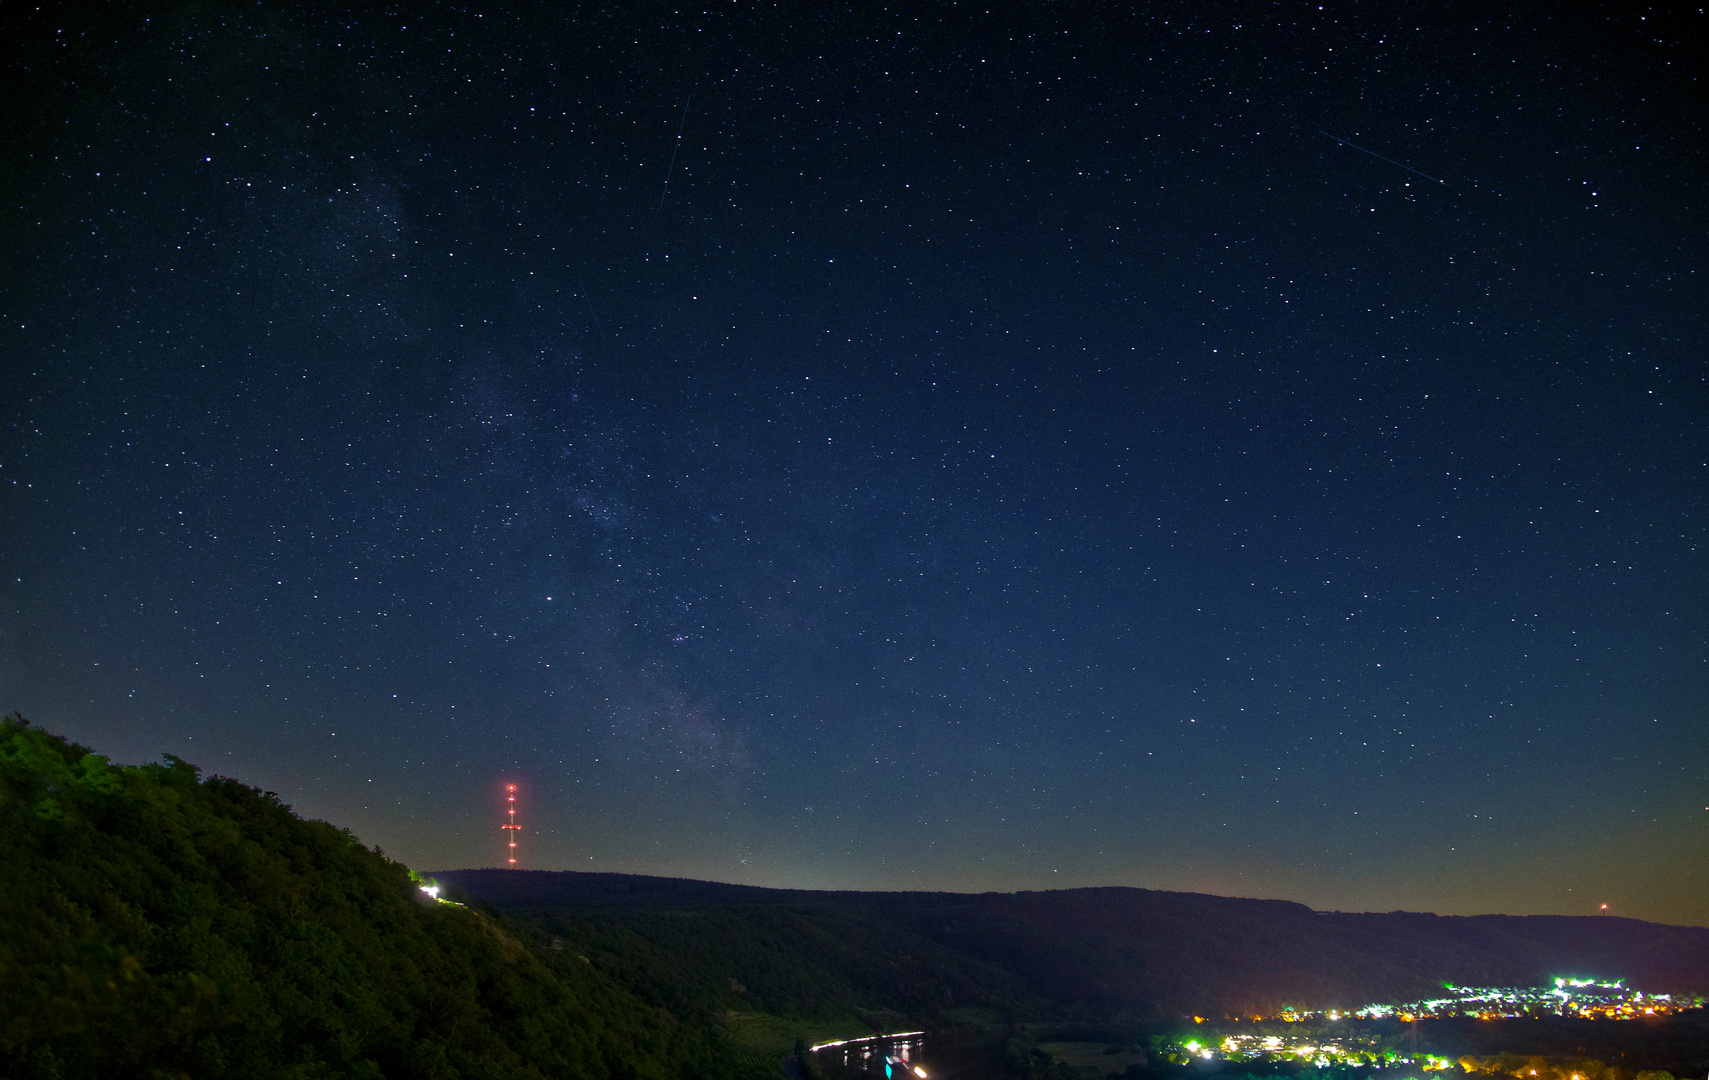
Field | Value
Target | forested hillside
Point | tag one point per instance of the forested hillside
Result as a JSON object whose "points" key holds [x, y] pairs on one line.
{"points": [[809, 963], [157, 923], [1108, 951]]}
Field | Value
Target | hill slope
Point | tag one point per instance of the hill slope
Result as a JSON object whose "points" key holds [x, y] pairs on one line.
{"points": [[1137, 951], [156, 923]]}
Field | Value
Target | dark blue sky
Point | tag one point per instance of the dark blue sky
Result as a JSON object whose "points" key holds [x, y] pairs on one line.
{"points": [[1251, 448]]}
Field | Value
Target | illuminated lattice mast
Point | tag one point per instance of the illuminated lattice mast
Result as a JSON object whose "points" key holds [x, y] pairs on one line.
{"points": [[511, 825]]}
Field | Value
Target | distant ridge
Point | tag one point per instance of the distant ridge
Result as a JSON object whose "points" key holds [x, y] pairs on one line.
{"points": [[1144, 951]]}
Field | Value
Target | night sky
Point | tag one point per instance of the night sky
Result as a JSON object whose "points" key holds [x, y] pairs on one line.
{"points": [[1247, 448]]}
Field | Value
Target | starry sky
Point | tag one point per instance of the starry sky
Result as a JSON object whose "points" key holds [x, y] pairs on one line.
{"points": [[1248, 448]]}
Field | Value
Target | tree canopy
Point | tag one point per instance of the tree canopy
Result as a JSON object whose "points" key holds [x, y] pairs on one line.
{"points": [[155, 922]]}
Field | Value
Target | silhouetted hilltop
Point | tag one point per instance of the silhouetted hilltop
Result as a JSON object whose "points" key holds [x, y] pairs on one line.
{"points": [[1140, 951]]}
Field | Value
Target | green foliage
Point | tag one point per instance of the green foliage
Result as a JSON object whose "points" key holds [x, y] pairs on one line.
{"points": [[153, 923]]}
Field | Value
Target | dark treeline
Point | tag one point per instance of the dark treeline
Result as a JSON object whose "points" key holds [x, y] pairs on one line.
{"points": [[789, 962]]}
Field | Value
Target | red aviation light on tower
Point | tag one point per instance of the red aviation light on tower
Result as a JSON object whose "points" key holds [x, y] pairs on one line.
{"points": [[510, 824]]}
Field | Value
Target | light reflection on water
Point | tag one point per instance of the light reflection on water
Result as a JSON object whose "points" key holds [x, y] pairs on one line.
{"points": [[956, 1055], [890, 1054]]}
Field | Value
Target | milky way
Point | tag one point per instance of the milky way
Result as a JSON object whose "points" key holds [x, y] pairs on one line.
{"points": [[957, 450]]}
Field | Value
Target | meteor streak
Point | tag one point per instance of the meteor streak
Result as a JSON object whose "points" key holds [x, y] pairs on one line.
{"points": [[1380, 157], [674, 148]]}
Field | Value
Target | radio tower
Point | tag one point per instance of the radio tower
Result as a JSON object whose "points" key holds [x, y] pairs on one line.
{"points": [[510, 799]]}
